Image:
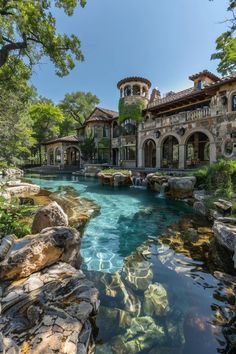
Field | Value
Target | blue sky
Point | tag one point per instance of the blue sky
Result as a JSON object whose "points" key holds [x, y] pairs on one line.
{"points": [[164, 41]]}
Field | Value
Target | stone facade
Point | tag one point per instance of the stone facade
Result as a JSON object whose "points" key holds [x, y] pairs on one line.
{"points": [[180, 130]]}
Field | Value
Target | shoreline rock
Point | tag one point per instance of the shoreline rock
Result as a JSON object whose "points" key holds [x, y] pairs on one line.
{"points": [[48, 216]]}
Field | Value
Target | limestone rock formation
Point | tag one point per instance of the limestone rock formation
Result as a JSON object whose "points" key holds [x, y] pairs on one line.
{"points": [[20, 189], [49, 216], [225, 235], [33, 253], [12, 172], [49, 312], [181, 187], [156, 182]]}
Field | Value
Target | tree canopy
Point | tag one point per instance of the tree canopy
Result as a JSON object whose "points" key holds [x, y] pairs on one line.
{"points": [[46, 120], [76, 106], [28, 30], [226, 44], [16, 132]]}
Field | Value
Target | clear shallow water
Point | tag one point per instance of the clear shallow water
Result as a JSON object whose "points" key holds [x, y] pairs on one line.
{"points": [[128, 217], [156, 298]]}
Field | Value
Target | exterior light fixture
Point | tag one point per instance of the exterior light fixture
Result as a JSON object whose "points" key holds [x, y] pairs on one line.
{"points": [[233, 134], [224, 100], [158, 134], [181, 131]]}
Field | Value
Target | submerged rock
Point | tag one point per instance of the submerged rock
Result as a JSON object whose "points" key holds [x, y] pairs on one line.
{"points": [[156, 300], [36, 252], [225, 235], [49, 216]]}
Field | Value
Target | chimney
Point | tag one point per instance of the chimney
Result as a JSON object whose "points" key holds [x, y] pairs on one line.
{"points": [[155, 95]]}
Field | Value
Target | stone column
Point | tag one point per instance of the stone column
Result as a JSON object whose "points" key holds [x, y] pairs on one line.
{"points": [[140, 157], [158, 157], [54, 157], [48, 157], [181, 156], [62, 156], [212, 153]]}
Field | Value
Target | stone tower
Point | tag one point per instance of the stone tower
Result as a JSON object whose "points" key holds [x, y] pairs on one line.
{"points": [[134, 89]]}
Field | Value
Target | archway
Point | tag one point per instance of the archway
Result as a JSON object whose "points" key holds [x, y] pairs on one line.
{"points": [[149, 148], [72, 156], [197, 150], [57, 156], [50, 156], [115, 156], [170, 152]]}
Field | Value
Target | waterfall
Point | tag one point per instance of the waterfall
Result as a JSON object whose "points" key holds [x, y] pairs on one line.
{"points": [[138, 182], [163, 190]]}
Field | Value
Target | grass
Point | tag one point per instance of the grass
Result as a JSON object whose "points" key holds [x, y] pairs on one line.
{"points": [[218, 179], [112, 171]]}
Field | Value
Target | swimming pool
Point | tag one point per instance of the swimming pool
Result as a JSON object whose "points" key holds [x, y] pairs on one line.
{"points": [[158, 295]]}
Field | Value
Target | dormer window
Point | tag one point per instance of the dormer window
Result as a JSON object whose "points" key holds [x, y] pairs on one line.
{"points": [[234, 102], [200, 84]]}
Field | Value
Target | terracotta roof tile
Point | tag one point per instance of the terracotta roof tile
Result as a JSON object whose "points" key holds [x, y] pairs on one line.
{"points": [[104, 115], [69, 139], [135, 79]]}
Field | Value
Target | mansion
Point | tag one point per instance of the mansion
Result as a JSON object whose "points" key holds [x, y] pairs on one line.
{"points": [[179, 130]]}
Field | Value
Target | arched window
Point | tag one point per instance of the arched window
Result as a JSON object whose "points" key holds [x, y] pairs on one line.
{"points": [[228, 148], [136, 90], [127, 90], [234, 102], [170, 152], [144, 92], [58, 156]]}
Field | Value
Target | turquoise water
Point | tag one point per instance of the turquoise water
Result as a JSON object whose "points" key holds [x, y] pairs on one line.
{"points": [[154, 298], [128, 217]]}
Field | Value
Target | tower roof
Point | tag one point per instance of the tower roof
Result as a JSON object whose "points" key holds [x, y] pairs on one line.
{"points": [[135, 79]]}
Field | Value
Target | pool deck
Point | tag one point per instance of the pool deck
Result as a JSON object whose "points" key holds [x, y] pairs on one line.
{"points": [[71, 169]]}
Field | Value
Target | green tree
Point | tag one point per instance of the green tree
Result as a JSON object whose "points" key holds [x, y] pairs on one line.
{"points": [[46, 118], [76, 106], [88, 148], [226, 44], [16, 134], [28, 30]]}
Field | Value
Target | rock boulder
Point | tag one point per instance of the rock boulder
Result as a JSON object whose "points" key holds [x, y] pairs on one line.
{"points": [[49, 312], [49, 216], [181, 187], [33, 253]]}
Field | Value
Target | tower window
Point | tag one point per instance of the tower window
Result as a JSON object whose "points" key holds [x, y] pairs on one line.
{"points": [[234, 103], [127, 90], [136, 90], [200, 85]]}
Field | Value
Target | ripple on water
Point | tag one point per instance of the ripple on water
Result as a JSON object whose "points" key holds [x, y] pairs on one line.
{"points": [[157, 297]]}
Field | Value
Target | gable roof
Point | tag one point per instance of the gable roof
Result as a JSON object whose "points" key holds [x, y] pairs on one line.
{"points": [[65, 139], [101, 115], [191, 92]]}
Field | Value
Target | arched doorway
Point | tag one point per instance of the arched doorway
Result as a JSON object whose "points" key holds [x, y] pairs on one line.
{"points": [[51, 157], [58, 156], [150, 153], [197, 150], [72, 156], [115, 156], [170, 152]]}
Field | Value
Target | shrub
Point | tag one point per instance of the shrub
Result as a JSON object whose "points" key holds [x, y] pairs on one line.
{"points": [[112, 171], [15, 218], [219, 178]]}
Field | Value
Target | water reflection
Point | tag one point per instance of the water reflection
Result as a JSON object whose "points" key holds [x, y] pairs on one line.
{"points": [[160, 294], [167, 299]]}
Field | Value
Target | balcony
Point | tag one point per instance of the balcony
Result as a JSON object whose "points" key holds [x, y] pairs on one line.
{"points": [[179, 118], [123, 141]]}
